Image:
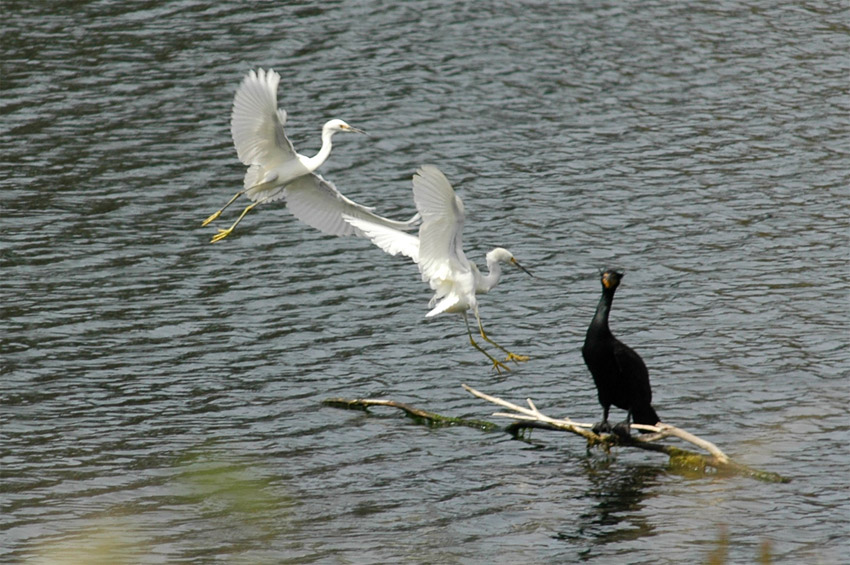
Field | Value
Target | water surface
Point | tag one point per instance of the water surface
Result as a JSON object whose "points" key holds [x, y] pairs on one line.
{"points": [[161, 397]]}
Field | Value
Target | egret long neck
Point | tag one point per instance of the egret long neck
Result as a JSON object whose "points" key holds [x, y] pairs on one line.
{"points": [[314, 162], [492, 278]]}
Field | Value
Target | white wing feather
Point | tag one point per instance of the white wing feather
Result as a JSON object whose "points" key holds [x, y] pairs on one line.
{"points": [[391, 240], [316, 202], [441, 234], [256, 124], [439, 248]]}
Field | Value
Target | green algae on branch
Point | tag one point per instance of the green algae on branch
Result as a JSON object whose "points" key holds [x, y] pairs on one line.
{"points": [[421, 416], [689, 463], [682, 461]]}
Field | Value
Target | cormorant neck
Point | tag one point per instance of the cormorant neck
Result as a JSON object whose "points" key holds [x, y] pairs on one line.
{"points": [[600, 319]]}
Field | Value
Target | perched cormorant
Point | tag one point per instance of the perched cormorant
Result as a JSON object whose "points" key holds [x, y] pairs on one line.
{"points": [[619, 373]]}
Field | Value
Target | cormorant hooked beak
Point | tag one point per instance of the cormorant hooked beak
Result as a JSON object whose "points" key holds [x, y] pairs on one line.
{"points": [[611, 278]]}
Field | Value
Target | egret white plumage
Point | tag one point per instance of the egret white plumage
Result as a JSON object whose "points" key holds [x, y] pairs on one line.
{"points": [[438, 251], [276, 170]]}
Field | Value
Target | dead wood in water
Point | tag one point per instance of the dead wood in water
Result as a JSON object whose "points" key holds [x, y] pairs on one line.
{"points": [[422, 416], [715, 462], [683, 460]]}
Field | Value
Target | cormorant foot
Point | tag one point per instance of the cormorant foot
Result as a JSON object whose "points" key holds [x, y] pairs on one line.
{"points": [[602, 427], [623, 429]]}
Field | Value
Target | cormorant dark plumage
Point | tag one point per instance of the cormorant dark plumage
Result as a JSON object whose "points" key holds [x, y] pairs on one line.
{"points": [[619, 373]]}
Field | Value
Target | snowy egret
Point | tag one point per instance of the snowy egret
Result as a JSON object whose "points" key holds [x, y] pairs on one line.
{"points": [[619, 373], [276, 171], [438, 251]]}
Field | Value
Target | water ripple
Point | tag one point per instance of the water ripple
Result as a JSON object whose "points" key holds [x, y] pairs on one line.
{"points": [[162, 396]]}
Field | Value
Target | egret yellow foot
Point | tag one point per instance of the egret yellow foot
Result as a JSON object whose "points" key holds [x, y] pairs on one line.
{"points": [[516, 358], [498, 365], [221, 235], [211, 218]]}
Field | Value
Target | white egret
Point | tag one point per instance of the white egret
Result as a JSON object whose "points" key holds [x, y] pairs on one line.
{"points": [[438, 251], [276, 171]]}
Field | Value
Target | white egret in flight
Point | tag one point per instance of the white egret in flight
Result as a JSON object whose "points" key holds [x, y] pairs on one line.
{"points": [[438, 251], [276, 171]]}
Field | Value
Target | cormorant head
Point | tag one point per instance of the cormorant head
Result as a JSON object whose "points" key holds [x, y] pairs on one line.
{"points": [[610, 279]]}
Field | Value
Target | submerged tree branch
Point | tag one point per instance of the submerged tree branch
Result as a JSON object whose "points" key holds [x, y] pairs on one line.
{"points": [[681, 460], [430, 418]]}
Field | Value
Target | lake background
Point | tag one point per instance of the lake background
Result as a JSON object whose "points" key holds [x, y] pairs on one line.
{"points": [[161, 397]]}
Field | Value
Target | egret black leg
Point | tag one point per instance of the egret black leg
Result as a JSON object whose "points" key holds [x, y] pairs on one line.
{"points": [[224, 233], [510, 356], [223, 208], [498, 365]]}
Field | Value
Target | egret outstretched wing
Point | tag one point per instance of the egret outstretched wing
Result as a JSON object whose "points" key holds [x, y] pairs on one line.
{"points": [[439, 253], [391, 240], [316, 202], [441, 234], [276, 171], [256, 124]]}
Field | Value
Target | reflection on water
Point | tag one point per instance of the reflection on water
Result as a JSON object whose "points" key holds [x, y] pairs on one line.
{"points": [[155, 387], [617, 496], [619, 493]]}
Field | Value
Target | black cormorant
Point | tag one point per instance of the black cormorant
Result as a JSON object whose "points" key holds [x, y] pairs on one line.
{"points": [[619, 373]]}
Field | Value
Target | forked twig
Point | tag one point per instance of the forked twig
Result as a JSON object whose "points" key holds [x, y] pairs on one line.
{"points": [[662, 430]]}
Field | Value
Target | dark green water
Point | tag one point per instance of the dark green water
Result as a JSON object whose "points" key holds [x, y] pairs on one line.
{"points": [[160, 397]]}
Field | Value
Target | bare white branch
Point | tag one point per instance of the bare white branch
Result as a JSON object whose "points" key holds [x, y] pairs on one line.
{"points": [[690, 438], [527, 417], [661, 431]]}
